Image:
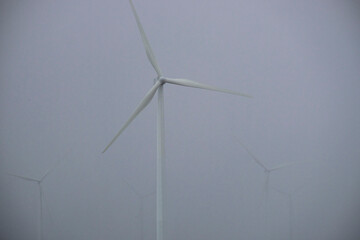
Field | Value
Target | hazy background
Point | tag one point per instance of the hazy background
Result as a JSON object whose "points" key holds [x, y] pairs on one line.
{"points": [[71, 73]]}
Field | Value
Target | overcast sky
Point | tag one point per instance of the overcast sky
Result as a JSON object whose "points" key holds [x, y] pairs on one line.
{"points": [[72, 72]]}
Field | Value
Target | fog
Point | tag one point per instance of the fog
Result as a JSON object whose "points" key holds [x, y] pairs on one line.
{"points": [[72, 72]]}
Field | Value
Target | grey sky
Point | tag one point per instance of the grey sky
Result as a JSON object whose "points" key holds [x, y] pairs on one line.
{"points": [[71, 73]]}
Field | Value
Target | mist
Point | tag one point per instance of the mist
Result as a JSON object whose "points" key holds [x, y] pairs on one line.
{"points": [[72, 72]]}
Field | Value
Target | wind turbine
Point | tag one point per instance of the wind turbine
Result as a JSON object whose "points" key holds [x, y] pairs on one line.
{"points": [[141, 197], [158, 86], [39, 182], [267, 171]]}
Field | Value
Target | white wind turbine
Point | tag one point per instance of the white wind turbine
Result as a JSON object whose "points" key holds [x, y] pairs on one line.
{"points": [[267, 171], [39, 182], [158, 86]]}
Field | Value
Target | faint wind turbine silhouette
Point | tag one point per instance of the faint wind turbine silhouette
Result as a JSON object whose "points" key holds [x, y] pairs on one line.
{"points": [[159, 82], [141, 197], [267, 171], [39, 182]]}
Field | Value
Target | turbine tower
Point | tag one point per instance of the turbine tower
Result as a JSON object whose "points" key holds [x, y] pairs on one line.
{"points": [[39, 182], [290, 196], [158, 86]]}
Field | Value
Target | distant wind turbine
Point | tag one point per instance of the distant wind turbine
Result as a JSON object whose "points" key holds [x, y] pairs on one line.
{"points": [[267, 171], [158, 86], [39, 182], [141, 197]]}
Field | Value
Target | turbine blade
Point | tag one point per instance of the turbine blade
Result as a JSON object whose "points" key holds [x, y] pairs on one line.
{"points": [[283, 166], [48, 171], [257, 161], [146, 100], [190, 83], [24, 178], [131, 187], [145, 41]]}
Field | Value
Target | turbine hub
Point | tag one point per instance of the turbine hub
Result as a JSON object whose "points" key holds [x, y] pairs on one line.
{"points": [[160, 79]]}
